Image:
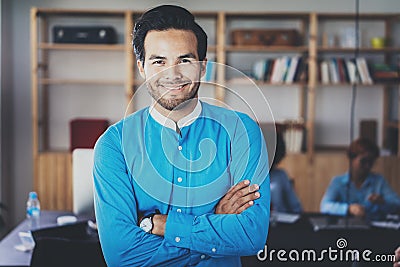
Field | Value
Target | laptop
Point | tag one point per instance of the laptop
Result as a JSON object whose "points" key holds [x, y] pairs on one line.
{"points": [[334, 223]]}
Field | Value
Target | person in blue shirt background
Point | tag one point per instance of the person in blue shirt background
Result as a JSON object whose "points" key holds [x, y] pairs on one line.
{"points": [[181, 182], [366, 194], [283, 196]]}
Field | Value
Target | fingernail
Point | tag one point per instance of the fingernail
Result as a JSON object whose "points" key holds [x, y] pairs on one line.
{"points": [[257, 194], [246, 181], [254, 187], [251, 202]]}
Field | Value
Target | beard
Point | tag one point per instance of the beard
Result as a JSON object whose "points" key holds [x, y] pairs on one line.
{"points": [[173, 103]]}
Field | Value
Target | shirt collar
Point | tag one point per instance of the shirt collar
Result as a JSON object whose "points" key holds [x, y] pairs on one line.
{"points": [[367, 180], [185, 121]]}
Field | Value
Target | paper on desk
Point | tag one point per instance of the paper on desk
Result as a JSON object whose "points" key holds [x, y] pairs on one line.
{"points": [[284, 217], [386, 224]]}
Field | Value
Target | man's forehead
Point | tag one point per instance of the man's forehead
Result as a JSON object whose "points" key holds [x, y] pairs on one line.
{"points": [[172, 42]]}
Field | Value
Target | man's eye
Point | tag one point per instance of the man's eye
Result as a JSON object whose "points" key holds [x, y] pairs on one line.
{"points": [[185, 60], [158, 62]]}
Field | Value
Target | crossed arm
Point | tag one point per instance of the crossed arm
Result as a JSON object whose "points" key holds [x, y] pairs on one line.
{"points": [[239, 198]]}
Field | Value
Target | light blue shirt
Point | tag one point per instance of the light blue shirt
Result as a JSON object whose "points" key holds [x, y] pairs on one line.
{"points": [[283, 197], [142, 164], [334, 200]]}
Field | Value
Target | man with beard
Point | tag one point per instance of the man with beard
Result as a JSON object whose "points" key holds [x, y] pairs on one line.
{"points": [[181, 182]]}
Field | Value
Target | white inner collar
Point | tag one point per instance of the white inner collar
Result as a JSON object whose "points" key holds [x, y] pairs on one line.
{"points": [[185, 121]]}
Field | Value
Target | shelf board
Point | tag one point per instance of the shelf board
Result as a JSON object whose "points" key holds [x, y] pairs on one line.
{"points": [[47, 81], [358, 85], [79, 12], [361, 50], [97, 47], [362, 16], [261, 83], [212, 48], [261, 48], [54, 152], [268, 15]]}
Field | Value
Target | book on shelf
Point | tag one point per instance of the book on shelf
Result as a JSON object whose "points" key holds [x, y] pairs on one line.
{"points": [[324, 66], [293, 134], [363, 70], [292, 69], [382, 72], [333, 71], [340, 70], [278, 70], [351, 68], [209, 76]]}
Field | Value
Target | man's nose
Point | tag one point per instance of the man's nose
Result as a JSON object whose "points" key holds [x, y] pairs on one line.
{"points": [[173, 73]]}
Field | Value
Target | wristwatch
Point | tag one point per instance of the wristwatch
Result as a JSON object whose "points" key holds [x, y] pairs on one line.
{"points": [[146, 224]]}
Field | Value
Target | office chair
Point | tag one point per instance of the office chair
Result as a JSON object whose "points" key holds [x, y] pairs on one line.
{"points": [[71, 245]]}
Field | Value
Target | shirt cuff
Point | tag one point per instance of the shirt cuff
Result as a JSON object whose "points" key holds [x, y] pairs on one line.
{"points": [[343, 209], [178, 229]]}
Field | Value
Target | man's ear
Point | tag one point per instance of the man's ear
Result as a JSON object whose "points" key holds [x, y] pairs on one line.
{"points": [[203, 66], [141, 68]]}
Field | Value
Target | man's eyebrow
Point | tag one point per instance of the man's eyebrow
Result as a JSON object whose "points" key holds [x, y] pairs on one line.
{"points": [[156, 57], [188, 55]]}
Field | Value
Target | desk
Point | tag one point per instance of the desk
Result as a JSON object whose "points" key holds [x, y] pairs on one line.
{"points": [[301, 237], [298, 236], [9, 256]]}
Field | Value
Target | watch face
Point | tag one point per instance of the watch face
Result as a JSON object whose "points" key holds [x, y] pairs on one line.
{"points": [[146, 224]]}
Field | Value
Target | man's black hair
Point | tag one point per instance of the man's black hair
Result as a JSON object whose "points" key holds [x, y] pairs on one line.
{"points": [[163, 18], [280, 150]]}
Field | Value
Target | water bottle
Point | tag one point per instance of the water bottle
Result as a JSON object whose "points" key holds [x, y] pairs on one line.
{"points": [[33, 206]]}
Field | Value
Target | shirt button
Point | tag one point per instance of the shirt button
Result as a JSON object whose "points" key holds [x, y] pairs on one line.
{"points": [[179, 210], [179, 179], [203, 257], [177, 239], [213, 249], [179, 148]]}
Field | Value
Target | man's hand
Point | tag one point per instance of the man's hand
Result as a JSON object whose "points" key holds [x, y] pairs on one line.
{"points": [[397, 258], [239, 197], [376, 199], [357, 210], [159, 221]]}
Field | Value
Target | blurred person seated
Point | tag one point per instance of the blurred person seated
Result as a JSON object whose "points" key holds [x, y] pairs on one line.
{"points": [[365, 194], [283, 197]]}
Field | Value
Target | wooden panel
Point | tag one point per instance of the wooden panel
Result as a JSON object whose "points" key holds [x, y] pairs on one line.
{"points": [[54, 180]]}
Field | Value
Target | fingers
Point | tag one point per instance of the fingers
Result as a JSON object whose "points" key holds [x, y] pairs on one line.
{"points": [[239, 198], [243, 184], [243, 200]]}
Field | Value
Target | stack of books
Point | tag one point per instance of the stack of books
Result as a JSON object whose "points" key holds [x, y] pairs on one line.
{"points": [[340, 70], [281, 70]]}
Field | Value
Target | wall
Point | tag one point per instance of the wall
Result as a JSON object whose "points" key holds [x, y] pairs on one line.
{"points": [[16, 95]]}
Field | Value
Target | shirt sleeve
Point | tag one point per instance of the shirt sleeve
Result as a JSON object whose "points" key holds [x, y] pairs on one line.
{"points": [[122, 241], [231, 234], [391, 200], [292, 201], [331, 202]]}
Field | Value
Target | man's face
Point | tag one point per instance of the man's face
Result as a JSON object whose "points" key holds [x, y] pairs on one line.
{"points": [[171, 67], [362, 164]]}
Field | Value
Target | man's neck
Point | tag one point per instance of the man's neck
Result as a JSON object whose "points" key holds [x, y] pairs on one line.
{"points": [[177, 114]]}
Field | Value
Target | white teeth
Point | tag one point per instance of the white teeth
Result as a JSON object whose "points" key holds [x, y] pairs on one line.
{"points": [[175, 87]]}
